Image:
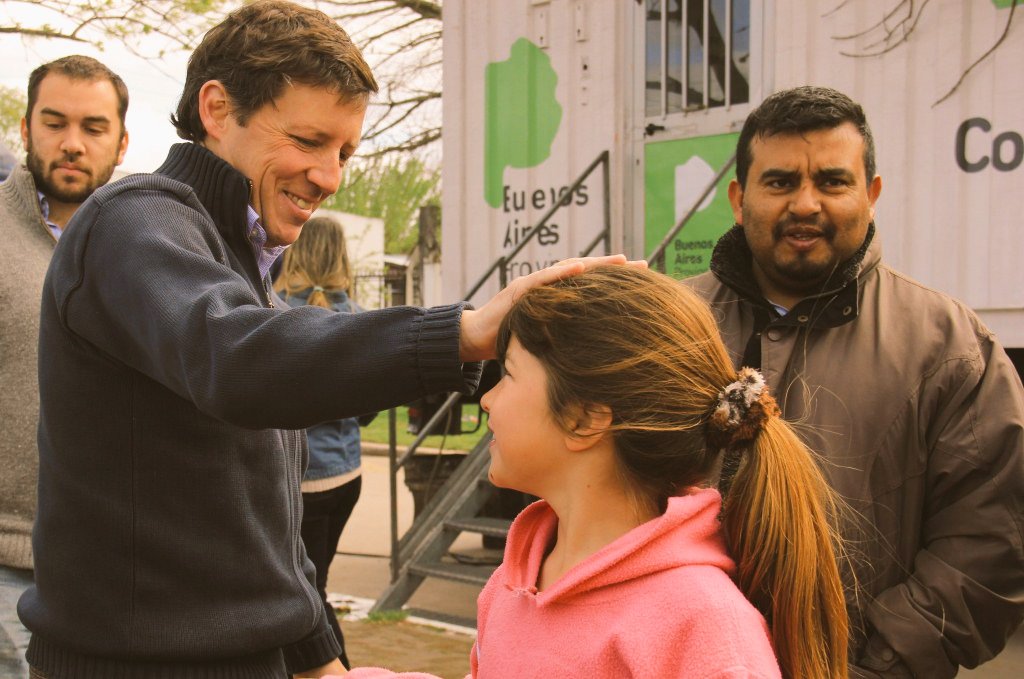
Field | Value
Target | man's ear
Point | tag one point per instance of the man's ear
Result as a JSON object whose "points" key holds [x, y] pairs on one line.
{"points": [[122, 147], [24, 134], [214, 108], [874, 191], [736, 201], [592, 422]]}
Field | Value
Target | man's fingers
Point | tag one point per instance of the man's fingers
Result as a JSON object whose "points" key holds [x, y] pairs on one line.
{"points": [[479, 328]]}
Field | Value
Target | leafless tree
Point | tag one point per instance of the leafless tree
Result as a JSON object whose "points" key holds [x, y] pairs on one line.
{"points": [[179, 22], [895, 27], [402, 41]]}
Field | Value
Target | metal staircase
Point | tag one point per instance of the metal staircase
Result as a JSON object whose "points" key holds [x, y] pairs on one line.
{"points": [[424, 551]]}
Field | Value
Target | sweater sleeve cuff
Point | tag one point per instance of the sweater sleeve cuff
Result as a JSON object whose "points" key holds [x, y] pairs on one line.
{"points": [[316, 650], [438, 352]]}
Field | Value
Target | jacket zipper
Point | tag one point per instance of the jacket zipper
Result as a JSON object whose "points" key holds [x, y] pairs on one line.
{"points": [[295, 488]]}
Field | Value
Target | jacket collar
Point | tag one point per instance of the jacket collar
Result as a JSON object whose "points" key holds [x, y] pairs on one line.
{"points": [[22, 191], [836, 304], [223, 190]]}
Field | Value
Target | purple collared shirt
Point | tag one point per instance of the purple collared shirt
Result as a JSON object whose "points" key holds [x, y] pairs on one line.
{"points": [[265, 256], [44, 207]]}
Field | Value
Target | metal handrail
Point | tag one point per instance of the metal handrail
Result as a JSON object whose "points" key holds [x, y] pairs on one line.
{"points": [[396, 463], [659, 252]]}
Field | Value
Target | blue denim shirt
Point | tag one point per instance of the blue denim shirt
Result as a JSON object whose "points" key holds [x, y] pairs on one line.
{"points": [[334, 447]]}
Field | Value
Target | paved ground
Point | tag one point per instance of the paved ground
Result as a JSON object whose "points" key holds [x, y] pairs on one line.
{"points": [[362, 570], [423, 647]]}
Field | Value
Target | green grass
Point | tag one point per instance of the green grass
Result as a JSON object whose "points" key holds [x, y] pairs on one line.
{"points": [[377, 431], [387, 617]]}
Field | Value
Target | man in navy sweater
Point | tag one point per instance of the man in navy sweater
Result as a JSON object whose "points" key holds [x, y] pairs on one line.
{"points": [[174, 392]]}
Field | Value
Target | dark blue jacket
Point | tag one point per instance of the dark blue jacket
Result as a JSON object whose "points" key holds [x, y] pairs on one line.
{"points": [[172, 392]]}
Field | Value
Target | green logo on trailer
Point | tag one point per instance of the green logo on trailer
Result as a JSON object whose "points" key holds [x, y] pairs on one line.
{"points": [[521, 114], [675, 175]]}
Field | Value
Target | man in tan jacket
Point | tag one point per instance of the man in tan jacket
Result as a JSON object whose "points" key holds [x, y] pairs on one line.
{"points": [[914, 407], [74, 136]]}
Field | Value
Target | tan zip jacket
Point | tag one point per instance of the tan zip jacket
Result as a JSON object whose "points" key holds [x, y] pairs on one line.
{"points": [[26, 246], [918, 415]]}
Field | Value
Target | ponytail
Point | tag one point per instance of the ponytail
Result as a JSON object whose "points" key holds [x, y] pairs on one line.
{"points": [[778, 515], [318, 298]]}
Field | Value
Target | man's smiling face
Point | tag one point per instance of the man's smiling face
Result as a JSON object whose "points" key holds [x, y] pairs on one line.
{"points": [[293, 150]]}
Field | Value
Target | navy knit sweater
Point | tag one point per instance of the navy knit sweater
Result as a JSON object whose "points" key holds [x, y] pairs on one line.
{"points": [[167, 540]]}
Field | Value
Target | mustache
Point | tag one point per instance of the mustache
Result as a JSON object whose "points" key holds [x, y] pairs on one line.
{"points": [[817, 225], [71, 160]]}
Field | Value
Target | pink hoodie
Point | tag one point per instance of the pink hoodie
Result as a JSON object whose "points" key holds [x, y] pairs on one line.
{"points": [[656, 603]]}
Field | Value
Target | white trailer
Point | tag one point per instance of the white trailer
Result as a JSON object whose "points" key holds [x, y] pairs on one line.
{"points": [[535, 90]]}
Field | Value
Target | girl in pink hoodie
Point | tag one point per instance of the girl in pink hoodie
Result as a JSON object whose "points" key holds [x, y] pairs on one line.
{"points": [[619, 406]]}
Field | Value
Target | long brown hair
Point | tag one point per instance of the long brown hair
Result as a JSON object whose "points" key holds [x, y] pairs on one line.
{"points": [[648, 348], [318, 259]]}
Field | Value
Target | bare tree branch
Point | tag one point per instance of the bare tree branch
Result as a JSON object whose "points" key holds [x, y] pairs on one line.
{"points": [[1006, 30], [835, 9], [414, 143], [401, 40], [90, 21], [40, 33], [903, 38], [895, 35], [882, 22]]}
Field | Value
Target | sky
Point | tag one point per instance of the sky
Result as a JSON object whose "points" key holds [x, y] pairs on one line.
{"points": [[153, 89]]}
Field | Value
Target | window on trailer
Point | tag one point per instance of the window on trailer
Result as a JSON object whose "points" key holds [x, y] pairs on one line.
{"points": [[697, 55]]}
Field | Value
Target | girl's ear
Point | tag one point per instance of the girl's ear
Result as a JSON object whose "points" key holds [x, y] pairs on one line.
{"points": [[592, 422]]}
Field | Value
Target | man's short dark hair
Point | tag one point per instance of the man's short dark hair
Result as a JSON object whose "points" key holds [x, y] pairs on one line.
{"points": [[258, 49], [77, 67], [800, 110]]}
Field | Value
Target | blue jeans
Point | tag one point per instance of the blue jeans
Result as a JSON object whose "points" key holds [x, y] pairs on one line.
{"points": [[13, 635]]}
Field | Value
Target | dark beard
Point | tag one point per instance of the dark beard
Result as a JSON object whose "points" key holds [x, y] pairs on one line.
{"points": [[44, 178], [801, 273]]}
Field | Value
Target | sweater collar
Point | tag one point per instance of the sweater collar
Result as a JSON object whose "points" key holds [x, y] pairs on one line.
{"points": [[223, 190], [21, 188], [836, 304]]}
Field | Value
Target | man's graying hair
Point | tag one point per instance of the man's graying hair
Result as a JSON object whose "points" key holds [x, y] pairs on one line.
{"points": [[799, 110], [261, 47]]}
